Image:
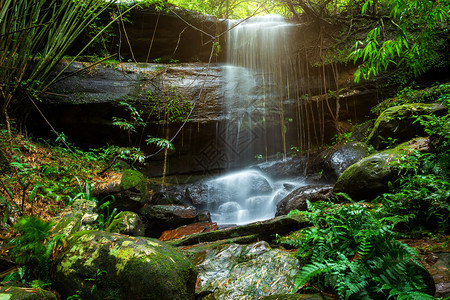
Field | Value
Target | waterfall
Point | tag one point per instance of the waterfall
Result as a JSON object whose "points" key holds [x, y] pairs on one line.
{"points": [[255, 92], [256, 75]]}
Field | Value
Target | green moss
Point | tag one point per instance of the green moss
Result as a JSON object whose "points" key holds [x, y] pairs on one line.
{"points": [[19, 293], [131, 265], [132, 179]]}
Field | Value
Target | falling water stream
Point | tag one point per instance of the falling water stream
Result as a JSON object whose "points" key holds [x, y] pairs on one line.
{"points": [[255, 88]]}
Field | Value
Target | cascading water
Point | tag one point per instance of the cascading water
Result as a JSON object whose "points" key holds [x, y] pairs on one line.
{"points": [[245, 196], [256, 79]]}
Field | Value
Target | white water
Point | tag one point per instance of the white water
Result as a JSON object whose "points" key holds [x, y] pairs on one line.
{"points": [[256, 52], [245, 196], [255, 77]]}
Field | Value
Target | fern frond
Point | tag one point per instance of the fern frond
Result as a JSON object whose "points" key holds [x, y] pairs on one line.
{"points": [[310, 271]]}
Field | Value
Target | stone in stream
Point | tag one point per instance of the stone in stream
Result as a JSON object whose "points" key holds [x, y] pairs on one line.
{"points": [[122, 267], [164, 217], [341, 157], [297, 198]]}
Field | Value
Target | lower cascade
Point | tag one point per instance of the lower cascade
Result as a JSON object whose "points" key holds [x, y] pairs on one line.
{"points": [[246, 196]]}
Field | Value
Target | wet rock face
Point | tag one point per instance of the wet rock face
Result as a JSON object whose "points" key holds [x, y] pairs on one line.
{"points": [[341, 158], [398, 123], [236, 271], [289, 168], [130, 268], [297, 198], [441, 274]]}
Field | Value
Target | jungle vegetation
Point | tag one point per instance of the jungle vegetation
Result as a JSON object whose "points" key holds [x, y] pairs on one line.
{"points": [[347, 240]]}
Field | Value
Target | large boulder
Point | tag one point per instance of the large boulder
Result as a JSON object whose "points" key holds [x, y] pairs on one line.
{"points": [[297, 198], [122, 267], [398, 123], [372, 175], [342, 157], [288, 168], [127, 222], [244, 271]]}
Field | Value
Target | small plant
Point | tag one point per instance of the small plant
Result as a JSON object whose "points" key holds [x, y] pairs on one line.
{"points": [[258, 157], [161, 143], [105, 216]]}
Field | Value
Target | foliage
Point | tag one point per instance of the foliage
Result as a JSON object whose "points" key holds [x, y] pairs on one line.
{"points": [[35, 36], [169, 105], [407, 36], [423, 188], [353, 252], [439, 93], [34, 246], [161, 143], [105, 216]]}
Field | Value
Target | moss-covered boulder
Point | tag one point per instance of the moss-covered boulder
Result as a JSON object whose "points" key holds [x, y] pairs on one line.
{"points": [[103, 265], [129, 192], [22, 293], [127, 222], [244, 271], [372, 175], [81, 216], [133, 191], [398, 123]]}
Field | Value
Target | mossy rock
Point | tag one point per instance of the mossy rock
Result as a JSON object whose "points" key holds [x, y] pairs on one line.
{"points": [[372, 175], [82, 216], [398, 123], [122, 267], [21, 293], [127, 222], [132, 179], [133, 191]]}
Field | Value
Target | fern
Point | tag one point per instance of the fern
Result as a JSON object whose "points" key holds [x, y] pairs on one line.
{"points": [[310, 271], [33, 247], [353, 252]]}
